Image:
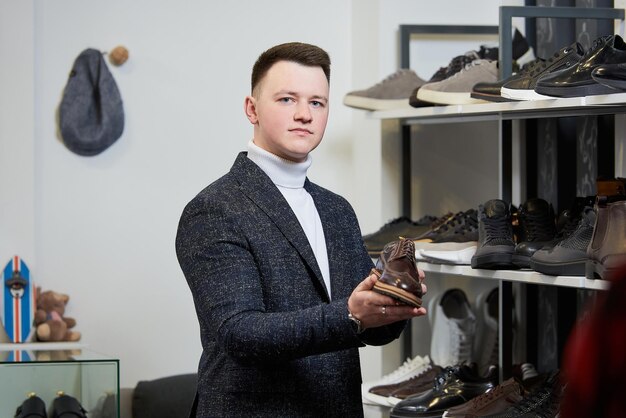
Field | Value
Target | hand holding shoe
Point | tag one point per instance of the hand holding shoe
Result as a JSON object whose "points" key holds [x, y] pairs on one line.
{"points": [[373, 309]]}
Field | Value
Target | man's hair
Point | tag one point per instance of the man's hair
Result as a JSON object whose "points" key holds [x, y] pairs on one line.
{"points": [[300, 53]]}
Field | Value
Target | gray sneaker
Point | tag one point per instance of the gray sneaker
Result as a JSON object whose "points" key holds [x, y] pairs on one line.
{"points": [[458, 88], [391, 93]]}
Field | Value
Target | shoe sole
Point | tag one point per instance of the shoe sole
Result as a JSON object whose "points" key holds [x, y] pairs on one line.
{"points": [[458, 257], [576, 91], [397, 293], [498, 261], [491, 97], [569, 268], [447, 98], [519, 94], [367, 103], [522, 261]]}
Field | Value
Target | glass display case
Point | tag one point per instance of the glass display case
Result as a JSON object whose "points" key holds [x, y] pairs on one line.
{"points": [[48, 368]]}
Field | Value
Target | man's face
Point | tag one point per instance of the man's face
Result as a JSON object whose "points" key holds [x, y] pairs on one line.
{"points": [[289, 110]]}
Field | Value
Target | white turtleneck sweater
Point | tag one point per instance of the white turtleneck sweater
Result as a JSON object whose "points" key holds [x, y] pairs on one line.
{"points": [[289, 177]]}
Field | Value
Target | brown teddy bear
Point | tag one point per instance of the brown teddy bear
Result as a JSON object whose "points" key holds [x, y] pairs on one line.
{"points": [[50, 323]]}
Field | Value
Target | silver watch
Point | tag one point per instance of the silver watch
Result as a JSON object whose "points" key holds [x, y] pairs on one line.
{"points": [[355, 320]]}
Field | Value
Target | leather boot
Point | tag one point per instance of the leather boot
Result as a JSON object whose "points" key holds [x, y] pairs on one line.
{"points": [[399, 278], [606, 252]]}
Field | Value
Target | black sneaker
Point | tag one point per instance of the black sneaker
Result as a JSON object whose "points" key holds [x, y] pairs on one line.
{"points": [[495, 237], [537, 229], [523, 88], [567, 257], [394, 229], [492, 91], [455, 241], [576, 81]]}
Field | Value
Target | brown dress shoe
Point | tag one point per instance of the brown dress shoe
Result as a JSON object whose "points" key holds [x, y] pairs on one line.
{"points": [[413, 386], [399, 278]]}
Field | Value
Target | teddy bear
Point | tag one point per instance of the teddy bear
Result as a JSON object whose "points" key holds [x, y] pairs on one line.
{"points": [[50, 324]]}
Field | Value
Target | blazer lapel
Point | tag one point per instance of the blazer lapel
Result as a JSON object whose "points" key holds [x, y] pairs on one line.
{"points": [[260, 189]]}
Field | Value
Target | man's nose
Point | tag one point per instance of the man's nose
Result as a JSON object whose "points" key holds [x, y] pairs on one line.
{"points": [[303, 112]]}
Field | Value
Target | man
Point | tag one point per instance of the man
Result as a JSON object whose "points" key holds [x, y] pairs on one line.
{"points": [[277, 266]]}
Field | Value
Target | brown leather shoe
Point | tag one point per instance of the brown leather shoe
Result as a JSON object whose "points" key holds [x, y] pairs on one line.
{"points": [[606, 252], [412, 386], [399, 278]]}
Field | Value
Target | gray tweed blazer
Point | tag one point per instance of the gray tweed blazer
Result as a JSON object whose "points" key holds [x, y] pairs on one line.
{"points": [[274, 344]]}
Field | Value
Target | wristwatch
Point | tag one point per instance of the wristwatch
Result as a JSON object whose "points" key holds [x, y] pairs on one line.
{"points": [[356, 322]]}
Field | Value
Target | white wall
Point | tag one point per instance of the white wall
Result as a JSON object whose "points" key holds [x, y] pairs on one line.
{"points": [[102, 228]]}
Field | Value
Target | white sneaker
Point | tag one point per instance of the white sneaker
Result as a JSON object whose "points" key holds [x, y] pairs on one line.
{"points": [[486, 342], [408, 369], [453, 327]]}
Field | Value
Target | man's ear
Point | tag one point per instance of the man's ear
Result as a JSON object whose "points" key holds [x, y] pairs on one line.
{"points": [[249, 107]]}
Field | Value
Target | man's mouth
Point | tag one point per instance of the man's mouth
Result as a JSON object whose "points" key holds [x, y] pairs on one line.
{"points": [[301, 130]]}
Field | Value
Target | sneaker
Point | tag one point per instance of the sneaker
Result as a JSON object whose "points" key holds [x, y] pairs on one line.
{"points": [[457, 89], [408, 369], [538, 229], [393, 230], [492, 92], [454, 66], [576, 81], [567, 257], [455, 386], [455, 243], [544, 401], [391, 93], [485, 348], [495, 237], [502, 397], [399, 277], [523, 88], [414, 385], [435, 228], [377, 395], [453, 327]]}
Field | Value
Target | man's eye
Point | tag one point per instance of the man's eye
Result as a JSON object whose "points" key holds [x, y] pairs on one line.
{"points": [[315, 103], [285, 99]]}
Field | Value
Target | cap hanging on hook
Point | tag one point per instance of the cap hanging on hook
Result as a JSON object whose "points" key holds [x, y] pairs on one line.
{"points": [[118, 55]]}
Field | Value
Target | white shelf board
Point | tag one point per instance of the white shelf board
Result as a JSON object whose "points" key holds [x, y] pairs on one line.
{"points": [[505, 110], [523, 276]]}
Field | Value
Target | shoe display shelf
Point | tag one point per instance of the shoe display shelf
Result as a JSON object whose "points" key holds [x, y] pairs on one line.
{"points": [[507, 115], [47, 368], [523, 276]]}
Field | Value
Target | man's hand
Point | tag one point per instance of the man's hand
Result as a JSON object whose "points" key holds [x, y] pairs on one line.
{"points": [[375, 310]]}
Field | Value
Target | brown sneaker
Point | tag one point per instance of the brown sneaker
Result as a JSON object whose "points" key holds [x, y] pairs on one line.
{"points": [[414, 385], [399, 278]]}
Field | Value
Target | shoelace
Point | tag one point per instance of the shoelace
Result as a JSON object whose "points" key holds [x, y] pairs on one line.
{"points": [[460, 62], [406, 248], [408, 365], [547, 63], [488, 397], [497, 228], [534, 225]]}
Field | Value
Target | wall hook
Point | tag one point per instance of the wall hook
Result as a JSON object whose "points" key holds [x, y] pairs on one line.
{"points": [[118, 55]]}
